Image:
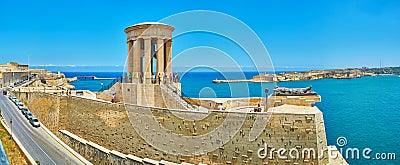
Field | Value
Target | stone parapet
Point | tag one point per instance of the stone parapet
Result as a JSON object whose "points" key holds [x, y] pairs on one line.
{"points": [[309, 100], [101, 155], [149, 95]]}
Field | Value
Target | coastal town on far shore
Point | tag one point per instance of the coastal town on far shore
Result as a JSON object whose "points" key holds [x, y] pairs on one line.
{"points": [[347, 73]]}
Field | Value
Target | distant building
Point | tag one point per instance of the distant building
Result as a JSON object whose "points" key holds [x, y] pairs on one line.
{"points": [[265, 78], [12, 72], [13, 66], [41, 72]]}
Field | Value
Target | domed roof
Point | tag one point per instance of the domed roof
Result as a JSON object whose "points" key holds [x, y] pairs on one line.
{"points": [[150, 23], [145, 25]]}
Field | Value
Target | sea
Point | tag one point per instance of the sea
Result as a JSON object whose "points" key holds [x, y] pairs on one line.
{"points": [[363, 111]]}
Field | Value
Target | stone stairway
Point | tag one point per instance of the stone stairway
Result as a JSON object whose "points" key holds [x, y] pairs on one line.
{"points": [[176, 94]]}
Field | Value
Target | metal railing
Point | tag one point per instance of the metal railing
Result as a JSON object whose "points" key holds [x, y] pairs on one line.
{"points": [[109, 85]]}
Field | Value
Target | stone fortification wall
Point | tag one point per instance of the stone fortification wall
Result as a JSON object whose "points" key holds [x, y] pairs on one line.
{"points": [[228, 103], [115, 91], [149, 95], [100, 155], [108, 125], [310, 100], [11, 77]]}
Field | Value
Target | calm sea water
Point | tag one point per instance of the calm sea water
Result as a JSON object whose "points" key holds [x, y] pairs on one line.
{"points": [[92, 85], [366, 111]]}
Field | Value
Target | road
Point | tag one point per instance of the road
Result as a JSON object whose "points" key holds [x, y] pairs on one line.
{"points": [[39, 144]]}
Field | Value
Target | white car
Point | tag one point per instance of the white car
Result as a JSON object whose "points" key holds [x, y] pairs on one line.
{"points": [[15, 101], [20, 105], [12, 97], [34, 122]]}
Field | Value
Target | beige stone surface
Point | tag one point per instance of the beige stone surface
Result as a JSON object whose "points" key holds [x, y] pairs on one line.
{"points": [[228, 103], [115, 91], [310, 100]]}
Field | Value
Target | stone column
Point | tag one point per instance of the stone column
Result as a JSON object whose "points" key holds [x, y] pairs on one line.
{"points": [[147, 60], [168, 58], [160, 58], [136, 61], [130, 62]]}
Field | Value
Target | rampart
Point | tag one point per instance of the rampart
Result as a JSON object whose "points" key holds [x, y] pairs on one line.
{"points": [[108, 125]]}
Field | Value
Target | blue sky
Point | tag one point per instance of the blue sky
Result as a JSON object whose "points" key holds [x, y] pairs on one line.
{"points": [[297, 34]]}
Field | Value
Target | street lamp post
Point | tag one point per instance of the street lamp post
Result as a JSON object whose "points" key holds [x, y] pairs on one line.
{"points": [[11, 128], [266, 99]]}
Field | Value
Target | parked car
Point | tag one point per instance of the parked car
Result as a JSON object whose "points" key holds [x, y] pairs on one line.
{"points": [[34, 122], [15, 100], [20, 105], [11, 97], [24, 110], [28, 115]]}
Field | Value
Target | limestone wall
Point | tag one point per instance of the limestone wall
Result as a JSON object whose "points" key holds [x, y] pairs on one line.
{"points": [[274, 101], [149, 95], [100, 155], [45, 107], [228, 103], [12, 77], [114, 90], [108, 125]]}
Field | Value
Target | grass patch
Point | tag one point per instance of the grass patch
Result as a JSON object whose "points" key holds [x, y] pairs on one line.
{"points": [[14, 154]]}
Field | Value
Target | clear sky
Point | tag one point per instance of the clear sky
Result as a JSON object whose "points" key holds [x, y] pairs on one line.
{"points": [[299, 34]]}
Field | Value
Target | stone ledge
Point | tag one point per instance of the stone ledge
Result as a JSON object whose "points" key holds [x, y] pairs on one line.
{"points": [[115, 156], [293, 109]]}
